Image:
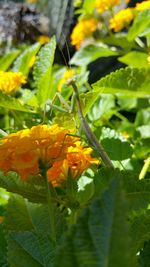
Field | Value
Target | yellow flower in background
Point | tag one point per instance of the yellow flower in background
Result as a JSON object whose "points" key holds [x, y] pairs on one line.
{"points": [[31, 1], [83, 30], [68, 74], [142, 6], [121, 19], [43, 39], [10, 81], [54, 147], [103, 5]]}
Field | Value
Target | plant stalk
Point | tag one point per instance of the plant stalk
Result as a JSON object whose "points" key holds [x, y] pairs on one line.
{"points": [[144, 169], [50, 208]]}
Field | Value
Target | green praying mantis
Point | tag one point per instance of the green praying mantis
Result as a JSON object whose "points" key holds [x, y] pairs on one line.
{"points": [[85, 126]]}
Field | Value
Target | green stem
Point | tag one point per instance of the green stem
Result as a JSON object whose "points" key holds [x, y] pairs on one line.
{"points": [[50, 208], [90, 135], [144, 169], [6, 119]]}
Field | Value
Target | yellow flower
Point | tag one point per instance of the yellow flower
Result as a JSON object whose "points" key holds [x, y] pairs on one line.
{"points": [[58, 151], [142, 6], [83, 30], [43, 39], [10, 81], [103, 5], [68, 74], [32, 1], [121, 19]]}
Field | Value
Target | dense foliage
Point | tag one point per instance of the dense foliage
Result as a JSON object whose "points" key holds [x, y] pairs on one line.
{"points": [[74, 156]]}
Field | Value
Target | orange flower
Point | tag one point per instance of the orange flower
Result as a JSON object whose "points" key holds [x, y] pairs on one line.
{"points": [[78, 159], [59, 152], [83, 30], [121, 19]]}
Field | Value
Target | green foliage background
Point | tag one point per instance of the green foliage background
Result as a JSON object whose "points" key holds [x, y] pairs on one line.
{"points": [[103, 219]]}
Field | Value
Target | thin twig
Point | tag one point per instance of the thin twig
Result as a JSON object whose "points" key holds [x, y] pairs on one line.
{"points": [[90, 135]]}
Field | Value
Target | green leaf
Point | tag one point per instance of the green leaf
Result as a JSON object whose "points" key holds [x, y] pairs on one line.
{"points": [[140, 230], [89, 6], [142, 117], [17, 209], [7, 59], [4, 196], [86, 187], [87, 100], [144, 131], [42, 71], [102, 108], [101, 235], [142, 148], [3, 248], [12, 183], [137, 191], [22, 63], [12, 103], [28, 236], [117, 149], [131, 82], [90, 53], [119, 39], [145, 255], [133, 58], [141, 22]]}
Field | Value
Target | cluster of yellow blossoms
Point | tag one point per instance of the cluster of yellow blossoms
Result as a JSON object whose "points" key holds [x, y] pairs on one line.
{"points": [[31, 1], [83, 30], [121, 19], [124, 17], [68, 74], [10, 81], [103, 5], [143, 5], [53, 147], [43, 39]]}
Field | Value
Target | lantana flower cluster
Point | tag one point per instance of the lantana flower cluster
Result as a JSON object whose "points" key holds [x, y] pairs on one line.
{"points": [[121, 19], [83, 30], [54, 147], [87, 26], [11, 81], [103, 5], [67, 75]]}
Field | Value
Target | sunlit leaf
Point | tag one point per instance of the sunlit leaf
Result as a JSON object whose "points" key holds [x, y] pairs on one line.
{"points": [[90, 53], [7, 59], [131, 82], [141, 22], [42, 71]]}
